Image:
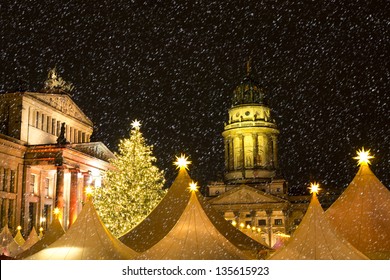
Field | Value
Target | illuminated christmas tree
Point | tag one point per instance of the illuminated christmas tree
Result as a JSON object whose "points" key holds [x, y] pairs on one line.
{"points": [[133, 188]]}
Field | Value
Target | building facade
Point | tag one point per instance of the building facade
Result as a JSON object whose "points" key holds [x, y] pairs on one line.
{"points": [[46, 157], [252, 195]]}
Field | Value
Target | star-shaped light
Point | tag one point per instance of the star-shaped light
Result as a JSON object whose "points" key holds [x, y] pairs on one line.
{"points": [[136, 124], [56, 211], [193, 186], [314, 188], [363, 157], [182, 162]]}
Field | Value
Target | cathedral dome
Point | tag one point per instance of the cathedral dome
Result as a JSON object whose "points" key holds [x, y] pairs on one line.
{"points": [[248, 92]]}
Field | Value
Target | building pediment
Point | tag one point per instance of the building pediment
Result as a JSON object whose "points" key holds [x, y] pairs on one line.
{"points": [[63, 103], [245, 195], [95, 149]]}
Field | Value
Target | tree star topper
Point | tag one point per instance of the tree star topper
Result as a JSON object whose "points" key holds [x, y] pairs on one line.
{"points": [[314, 188], [136, 124], [182, 162], [363, 157]]}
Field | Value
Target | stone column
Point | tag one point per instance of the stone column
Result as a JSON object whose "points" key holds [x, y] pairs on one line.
{"points": [[255, 149], [59, 200], [226, 154], [253, 218], [269, 222], [25, 199], [275, 151], [242, 155], [73, 196], [231, 154], [270, 155], [286, 214]]}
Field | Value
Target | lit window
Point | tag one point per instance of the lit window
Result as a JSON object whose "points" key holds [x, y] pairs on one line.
{"points": [[278, 222], [47, 187], [33, 184]]}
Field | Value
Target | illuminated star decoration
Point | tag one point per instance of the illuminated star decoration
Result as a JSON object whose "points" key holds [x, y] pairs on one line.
{"points": [[88, 191], [56, 211], [314, 188], [136, 124], [363, 157], [182, 162], [193, 186]]}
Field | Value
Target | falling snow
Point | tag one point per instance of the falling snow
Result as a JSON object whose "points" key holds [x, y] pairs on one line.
{"points": [[173, 65]]}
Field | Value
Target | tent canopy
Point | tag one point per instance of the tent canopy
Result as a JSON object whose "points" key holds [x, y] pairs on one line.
{"points": [[86, 239], [53, 233], [362, 214], [19, 238], [315, 239], [165, 216], [193, 237], [9, 247]]}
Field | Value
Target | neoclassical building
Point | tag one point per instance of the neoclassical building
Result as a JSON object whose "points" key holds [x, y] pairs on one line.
{"points": [[46, 157], [252, 194]]}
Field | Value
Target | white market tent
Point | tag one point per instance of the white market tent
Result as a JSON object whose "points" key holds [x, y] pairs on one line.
{"points": [[9, 247], [19, 238], [53, 233], [86, 239], [194, 237], [362, 214], [315, 239], [167, 213], [31, 239]]}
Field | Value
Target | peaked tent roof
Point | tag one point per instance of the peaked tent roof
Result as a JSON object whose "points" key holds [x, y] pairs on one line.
{"points": [[31, 239], [234, 235], [315, 239], [166, 214], [362, 214], [161, 220], [19, 238], [53, 233], [87, 239], [194, 237], [9, 247]]}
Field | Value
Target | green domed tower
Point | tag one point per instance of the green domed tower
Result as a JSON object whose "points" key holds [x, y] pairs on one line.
{"points": [[250, 136]]}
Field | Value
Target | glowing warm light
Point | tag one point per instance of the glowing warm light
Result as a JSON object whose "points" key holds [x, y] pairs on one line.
{"points": [[56, 211], [363, 157], [19, 228], [248, 226], [43, 219], [88, 191], [258, 229], [242, 225], [41, 229], [234, 223], [136, 124], [182, 162], [193, 186], [253, 228], [314, 188], [283, 235]]}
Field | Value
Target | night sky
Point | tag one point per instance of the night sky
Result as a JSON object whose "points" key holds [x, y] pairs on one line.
{"points": [[173, 65]]}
